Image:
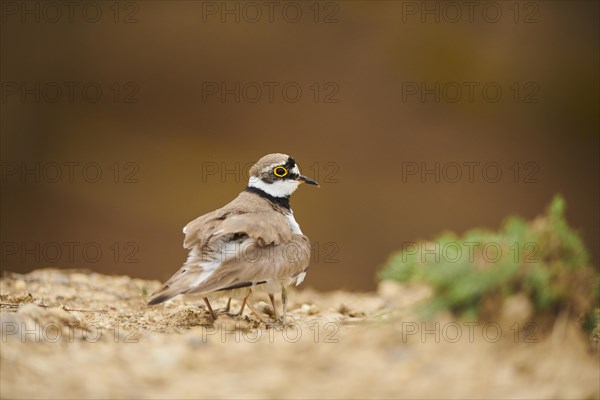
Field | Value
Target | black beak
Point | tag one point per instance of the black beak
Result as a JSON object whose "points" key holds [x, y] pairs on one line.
{"points": [[304, 179]]}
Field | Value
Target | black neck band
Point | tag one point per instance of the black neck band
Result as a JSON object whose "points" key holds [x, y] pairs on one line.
{"points": [[280, 201]]}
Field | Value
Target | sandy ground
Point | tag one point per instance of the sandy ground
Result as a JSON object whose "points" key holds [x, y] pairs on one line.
{"points": [[74, 334]]}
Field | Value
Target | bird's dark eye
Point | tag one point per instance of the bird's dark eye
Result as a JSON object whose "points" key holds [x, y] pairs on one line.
{"points": [[280, 172]]}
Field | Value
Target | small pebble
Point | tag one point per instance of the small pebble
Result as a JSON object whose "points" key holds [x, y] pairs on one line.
{"points": [[19, 284]]}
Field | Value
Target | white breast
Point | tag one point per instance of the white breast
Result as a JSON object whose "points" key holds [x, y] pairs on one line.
{"points": [[293, 224]]}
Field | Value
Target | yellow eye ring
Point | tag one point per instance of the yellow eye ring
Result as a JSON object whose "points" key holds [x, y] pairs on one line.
{"points": [[280, 172]]}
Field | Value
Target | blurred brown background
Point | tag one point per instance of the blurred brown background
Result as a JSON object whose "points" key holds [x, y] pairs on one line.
{"points": [[164, 142]]}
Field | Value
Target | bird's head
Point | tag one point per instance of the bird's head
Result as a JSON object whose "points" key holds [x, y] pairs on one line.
{"points": [[277, 175]]}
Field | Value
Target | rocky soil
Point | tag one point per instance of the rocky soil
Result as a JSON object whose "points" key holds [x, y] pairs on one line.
{"points": [[76, 334]]}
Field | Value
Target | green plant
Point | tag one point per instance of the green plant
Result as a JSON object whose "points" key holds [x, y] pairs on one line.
{"points": [[472, 274]]}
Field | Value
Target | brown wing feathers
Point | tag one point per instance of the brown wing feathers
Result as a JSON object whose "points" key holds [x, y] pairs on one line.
{"points": [[247, 219]]}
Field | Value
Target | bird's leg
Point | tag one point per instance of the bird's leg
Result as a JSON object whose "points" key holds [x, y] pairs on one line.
{"points": [[272, 298], [284, 302], [241, 313], [224, 309], [210, 310]]}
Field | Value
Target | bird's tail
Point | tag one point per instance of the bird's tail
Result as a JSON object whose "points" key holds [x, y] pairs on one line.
{"points": [[163, 294]]}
